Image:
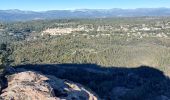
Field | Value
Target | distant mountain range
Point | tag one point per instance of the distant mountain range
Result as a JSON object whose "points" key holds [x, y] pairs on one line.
{"points": [[19, 15]]}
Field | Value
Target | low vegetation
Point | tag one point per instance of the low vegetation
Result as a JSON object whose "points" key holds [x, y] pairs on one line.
{"points": [[109, 42]]}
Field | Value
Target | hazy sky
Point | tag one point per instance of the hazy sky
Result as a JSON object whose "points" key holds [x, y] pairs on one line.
{"points": [[42, 5]]}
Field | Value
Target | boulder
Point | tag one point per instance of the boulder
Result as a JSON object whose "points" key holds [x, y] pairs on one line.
{"points": [[31, 85]]}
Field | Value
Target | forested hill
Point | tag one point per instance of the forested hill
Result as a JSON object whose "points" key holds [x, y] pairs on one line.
{"points": [[18, 15]]}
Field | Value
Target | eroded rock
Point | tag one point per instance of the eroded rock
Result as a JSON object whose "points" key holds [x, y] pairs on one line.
{"points": [[30, 85]]}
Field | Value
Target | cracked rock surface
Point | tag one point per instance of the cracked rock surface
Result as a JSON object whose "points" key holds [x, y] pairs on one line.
{"points": [[31, 85]]}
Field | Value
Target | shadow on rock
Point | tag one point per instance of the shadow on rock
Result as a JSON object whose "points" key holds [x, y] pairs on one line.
{"points": [[113, 83]]}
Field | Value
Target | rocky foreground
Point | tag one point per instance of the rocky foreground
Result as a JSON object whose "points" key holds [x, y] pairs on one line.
{"points": [[32, 85], [62, 82]]}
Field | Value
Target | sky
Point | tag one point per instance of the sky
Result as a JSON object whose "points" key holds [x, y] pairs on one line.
{"points": [[44, 5]]}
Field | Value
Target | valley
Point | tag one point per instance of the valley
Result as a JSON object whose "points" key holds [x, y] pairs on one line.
{"points": [[114, 57], [121, 42]]}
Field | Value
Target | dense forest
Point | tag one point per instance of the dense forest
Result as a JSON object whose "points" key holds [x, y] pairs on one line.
{"points": [[119, 42]]}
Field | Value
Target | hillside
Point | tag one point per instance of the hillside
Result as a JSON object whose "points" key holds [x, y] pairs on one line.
{"points": [[108, 42]]}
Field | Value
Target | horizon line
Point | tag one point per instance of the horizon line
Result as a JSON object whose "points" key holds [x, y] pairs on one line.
{"points": [[87, 9]]}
